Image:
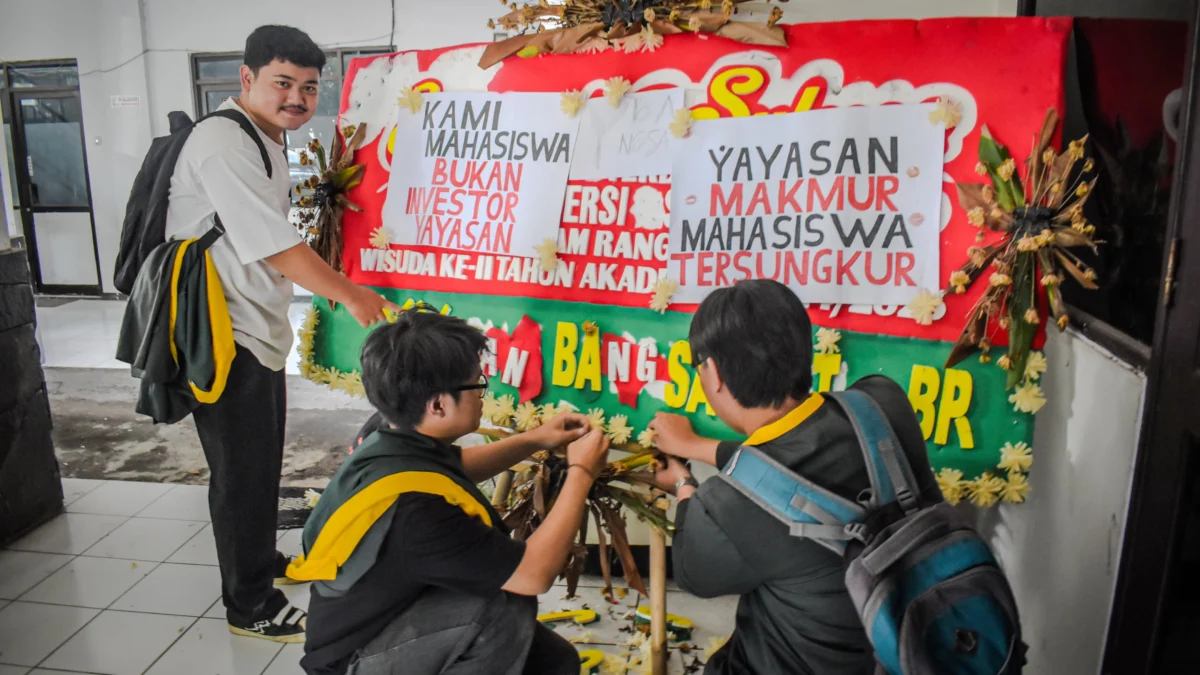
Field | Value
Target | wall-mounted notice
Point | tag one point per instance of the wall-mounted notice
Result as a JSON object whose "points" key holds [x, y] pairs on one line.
{"points": [[631, 140], [487, 172], [842, 205], [125, 101]]}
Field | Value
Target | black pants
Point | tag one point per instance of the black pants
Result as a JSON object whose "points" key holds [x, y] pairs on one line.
{"points": [[242, 436], [451, 633]]}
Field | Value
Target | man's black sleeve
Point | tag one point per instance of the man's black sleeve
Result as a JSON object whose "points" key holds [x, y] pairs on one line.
{"points": [[439, 545]]}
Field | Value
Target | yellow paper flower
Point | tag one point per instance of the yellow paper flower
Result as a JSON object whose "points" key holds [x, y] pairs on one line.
{"points": [[631, 44], [1026, 244], [664, 288], [650, 40], [985, 490], [1075, 149], [499, 410], [1004, 362], [1031, 317], [549, 411], [646, 438], [682, 125], [595, 418], [975, 216], [946, 111], [410, 99], [1006, 169], [572, 102], [1089, 165], [1082, 190], [547, 254], [1028, 398], [618, 429], [997, 213], [1051, 280], [1016, 489], [1063, 321], [924, 306], [381, 238], [959, 281], [528, 416], [827, 341], [1016, 458], [614, 664], [1048, 156], [1035, 365], [981, 168], [1000, 279], [977, 255], [595, 46], [951, 483], [989, 194], [615, 89]]}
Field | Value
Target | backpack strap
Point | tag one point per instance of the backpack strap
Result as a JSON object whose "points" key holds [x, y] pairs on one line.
{"points": [[891, 477], [806, 508], [210, 237], [248, 127]]}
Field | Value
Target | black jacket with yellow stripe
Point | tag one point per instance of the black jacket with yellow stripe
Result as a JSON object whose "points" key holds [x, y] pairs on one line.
{"points": [[346, 529], [176, 334]]}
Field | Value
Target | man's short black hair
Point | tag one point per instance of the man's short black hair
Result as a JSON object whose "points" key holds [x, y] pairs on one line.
{"points": [[285, 43], [759, 335], [422, 355]]}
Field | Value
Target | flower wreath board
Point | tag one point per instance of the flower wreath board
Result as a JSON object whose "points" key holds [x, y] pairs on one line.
{"points": [[577, 207]]}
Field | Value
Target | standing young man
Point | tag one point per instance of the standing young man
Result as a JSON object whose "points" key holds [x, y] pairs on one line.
{"points": [[220, 171], [414, 570], [752, 346]]}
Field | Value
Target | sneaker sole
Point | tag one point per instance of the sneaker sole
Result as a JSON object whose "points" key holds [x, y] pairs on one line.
{"points": [[287, 639]]}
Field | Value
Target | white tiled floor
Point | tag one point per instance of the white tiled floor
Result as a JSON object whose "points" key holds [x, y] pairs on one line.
{"points": [[83, 334], [88, 593]]}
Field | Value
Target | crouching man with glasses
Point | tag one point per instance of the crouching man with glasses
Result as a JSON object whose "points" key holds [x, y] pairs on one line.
{"points": [[414, 570]]}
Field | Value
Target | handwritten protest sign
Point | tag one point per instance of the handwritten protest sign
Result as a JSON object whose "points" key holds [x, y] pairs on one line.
{"points": [[842, 205], [487, 173], [631, 140]]}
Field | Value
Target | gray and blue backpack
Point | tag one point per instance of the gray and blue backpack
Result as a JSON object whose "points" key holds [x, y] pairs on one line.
{"points": [[931, 597]]}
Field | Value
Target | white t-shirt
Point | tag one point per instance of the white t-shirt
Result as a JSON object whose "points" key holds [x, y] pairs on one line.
{"points": [[221, 170]]}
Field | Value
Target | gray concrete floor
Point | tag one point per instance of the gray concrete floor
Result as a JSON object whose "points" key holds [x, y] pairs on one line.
{"points": [[98, 435]]}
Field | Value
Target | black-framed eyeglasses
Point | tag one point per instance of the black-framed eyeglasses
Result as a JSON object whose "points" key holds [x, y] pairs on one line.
{"points": [[481, 385]]}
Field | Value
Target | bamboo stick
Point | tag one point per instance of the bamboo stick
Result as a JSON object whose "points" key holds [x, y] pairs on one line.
{"points": [[503, 487], [658, 602]]}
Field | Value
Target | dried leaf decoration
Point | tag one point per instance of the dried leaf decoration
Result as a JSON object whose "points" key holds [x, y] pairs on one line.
{"points": [[615, 89], [660, 299], [323, 197], [381, 238], [572, 102], [410, 99], [588, 25], [1039, 218], [947, 112], [681, 126], [547, 255]]}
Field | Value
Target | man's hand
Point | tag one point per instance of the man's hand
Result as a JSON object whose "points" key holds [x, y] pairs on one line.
{"points": [[673, 435], [366, 306], [564, 428], [589, 452], [665, 477]]}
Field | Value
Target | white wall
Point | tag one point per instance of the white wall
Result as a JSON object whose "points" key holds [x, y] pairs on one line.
{"points": [[1061, 549], [110, 35]]}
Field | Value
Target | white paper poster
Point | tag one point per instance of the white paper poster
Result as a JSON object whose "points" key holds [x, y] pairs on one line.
{"points": [[841, 205], [480, 172], [631, 140]]}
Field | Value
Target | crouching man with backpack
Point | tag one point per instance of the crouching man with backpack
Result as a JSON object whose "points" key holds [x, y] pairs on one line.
{"points": [[798, 508], [233, 170]]}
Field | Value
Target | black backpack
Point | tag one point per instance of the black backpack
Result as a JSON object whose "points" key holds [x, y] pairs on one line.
{"points": [[145, 223]]}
